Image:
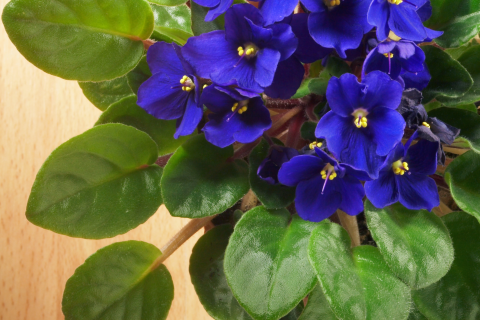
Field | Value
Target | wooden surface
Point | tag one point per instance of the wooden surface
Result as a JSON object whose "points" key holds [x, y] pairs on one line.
{"points": [[38, 112]]}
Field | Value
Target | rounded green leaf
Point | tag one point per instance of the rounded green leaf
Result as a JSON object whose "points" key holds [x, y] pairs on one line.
{"points": [[200, 180], [357, 282], [266, 262], [449, 77], [169, 3], [87, 40], [317, 307], [456, 296], [458, 19], [208, 277], [104, 93], [272, 196], [415, 314], [172, 24], [120, 281], [467, 121], [138, 75], [97, 185], [127, 111], [199, 25], [415, 244], [463, 177]]}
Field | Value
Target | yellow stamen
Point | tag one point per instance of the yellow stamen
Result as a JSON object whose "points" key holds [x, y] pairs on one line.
{"points": [[205, 85], [388, 54], [397, 2], [393, 36], [360, 118], [399, 167], [326, 170], [235, 106], [426, 124], [331, 3], [315, 144]]}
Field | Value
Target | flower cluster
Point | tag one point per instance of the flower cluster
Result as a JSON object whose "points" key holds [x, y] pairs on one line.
{"points": [[220, 81]]}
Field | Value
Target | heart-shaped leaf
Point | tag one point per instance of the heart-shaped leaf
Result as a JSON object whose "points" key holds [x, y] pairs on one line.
{"points": [[467, 121], [208, 277], [449, 77], [469, 59], [357, 282], [97, 185], [104, 93], [266, 262], [87, 40], [272, 196], [120, 281], [317, 307], [127, 111], [200, 180], [172, 24], [456, 296], [459, 19], [463, 177], [414, 243]]}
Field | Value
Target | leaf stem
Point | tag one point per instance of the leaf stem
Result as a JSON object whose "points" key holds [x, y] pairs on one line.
{"points": [[350, 224], [458, 151], [284, 118], [442, 210], [249, 201], [183, 235]]}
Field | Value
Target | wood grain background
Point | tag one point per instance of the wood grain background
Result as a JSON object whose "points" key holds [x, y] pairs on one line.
{"points": [[38, 112]]}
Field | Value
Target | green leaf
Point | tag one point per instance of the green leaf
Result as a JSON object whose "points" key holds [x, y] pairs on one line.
{"points": [[319, 85], [172, 24], [303, 90], [414, 243], [103, 94], [456, 296], [449, 77], [169, 3], [272, 196], [139, 75], [469, 59], [307, 131], [200, 180], [127, 111], [463, 176], [459, 19], [436, 105], [415, 314], [317, 307], [457, 52], [97, 185], [120, 281], [199, 25], [357, 282], [208, 277], [337, 67], [467, 121], [266, 262], [88, 40]]}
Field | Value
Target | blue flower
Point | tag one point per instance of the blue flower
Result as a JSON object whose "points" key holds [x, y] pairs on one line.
{"points": [[395, 57], [247, 51], [338, 24], [173, 91], [237, 115], [362, 126], [418, 80], [275, 11], [217, 7], [404, 177], [268, 169], [323, 186], [401, 19]]}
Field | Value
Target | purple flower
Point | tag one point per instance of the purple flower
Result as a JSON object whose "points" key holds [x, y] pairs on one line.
{"points": [[395, 57], [363, 125], [401, 19], [173, 91], [338, 24], [237, 115], [217, 7], [323, 186], [247, 51], [268, 169], [404, 177], [418, 80]]}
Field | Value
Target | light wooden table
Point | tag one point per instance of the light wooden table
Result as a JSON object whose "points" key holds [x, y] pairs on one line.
{"points": [[38, 112]]}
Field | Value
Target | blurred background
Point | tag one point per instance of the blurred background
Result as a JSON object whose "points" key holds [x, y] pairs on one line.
{"points": [[38, 112]]}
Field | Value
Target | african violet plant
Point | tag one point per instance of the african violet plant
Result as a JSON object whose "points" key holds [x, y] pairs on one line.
{"points": [[350, 121]]}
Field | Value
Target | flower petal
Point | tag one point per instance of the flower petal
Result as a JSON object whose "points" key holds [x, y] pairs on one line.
{"points": [[380, 91], [208, 3], [387, 127], [162, 58], [265, 66], [254, 122], [378, 14], [383, 191], [352, 195], [288, 78], [237, 29], [274, 11], [217, 10], [300, 168], [283, 40], [417, 191], [217, 101], [219, 131], [344, 94], [314, 206], [188, 123], [308, 51], [422, 157], [405, 22]]}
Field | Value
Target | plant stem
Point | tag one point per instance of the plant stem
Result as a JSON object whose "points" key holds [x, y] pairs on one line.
{"points": [[442, 209], [183, 235], [285, 117], [249, 201], [350, 224], [455, 150], [294, 127]]}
